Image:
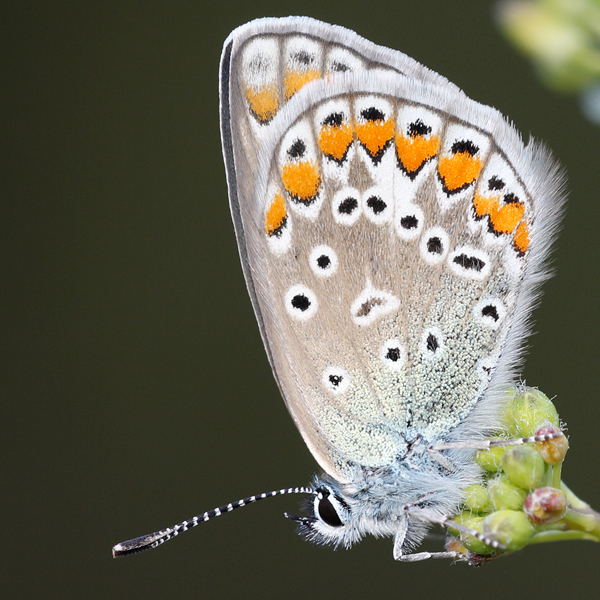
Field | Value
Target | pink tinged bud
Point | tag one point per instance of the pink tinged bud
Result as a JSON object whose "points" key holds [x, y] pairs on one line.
{"points": [[552, 451], [545, 505]]}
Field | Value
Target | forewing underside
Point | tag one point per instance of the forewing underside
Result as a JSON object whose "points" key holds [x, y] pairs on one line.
{"points": [[265, 64]]}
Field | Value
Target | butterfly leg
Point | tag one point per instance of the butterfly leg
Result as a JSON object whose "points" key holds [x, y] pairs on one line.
{"points": [[417, 556], [442, 460], [486, 444], [431, 516]]}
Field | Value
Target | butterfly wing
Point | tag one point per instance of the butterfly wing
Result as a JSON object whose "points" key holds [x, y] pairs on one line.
{"points": [[389, 244]]}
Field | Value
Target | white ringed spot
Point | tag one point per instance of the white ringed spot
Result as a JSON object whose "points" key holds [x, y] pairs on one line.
{"points": [[377, 205], [434, 245], [371, 304], [346, 206], [336, 380], [469, 262], [409, 221], [323, 261], [393, 354], [301, 302], [490, 312]]}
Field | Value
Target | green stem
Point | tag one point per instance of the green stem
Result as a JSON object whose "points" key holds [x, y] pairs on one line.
{"points": [[556, 475], [580, 515], [561, 536]]}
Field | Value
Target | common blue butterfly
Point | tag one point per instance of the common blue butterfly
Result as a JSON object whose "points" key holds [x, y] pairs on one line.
{"points": [[394, 234]]}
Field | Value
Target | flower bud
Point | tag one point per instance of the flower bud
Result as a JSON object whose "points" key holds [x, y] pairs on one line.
{"points": [[552, 451], [505, 495], [545, 505], [508, 420], [477, 498], [532, 409], [524, 467], [491, 458], [511, 528], [468, 541]]}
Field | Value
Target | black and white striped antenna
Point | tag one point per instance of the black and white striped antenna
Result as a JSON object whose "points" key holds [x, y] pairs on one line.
{"points": [[152, 540]]}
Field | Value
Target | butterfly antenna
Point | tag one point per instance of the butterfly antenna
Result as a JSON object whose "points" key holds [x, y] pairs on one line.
{"points": [[152, 540]]}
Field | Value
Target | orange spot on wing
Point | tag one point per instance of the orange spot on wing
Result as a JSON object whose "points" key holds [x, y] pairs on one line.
{"points": [[374, 135], [521, 239], [334, 141], [276, 214], [459, 170], [484, 205], [414, 150], [263, 103], [302, 180], [506, 218], [294, 80], [503, 219]]}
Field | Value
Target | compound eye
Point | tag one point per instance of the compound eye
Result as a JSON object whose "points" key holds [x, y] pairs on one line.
{"points": [[328, 513]]}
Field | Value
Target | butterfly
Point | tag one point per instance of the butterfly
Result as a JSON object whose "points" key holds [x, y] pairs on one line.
{"points": [[393, 235]]}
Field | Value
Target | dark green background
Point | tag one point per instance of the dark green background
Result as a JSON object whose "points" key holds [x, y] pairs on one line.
{"points": [[136, 392]]}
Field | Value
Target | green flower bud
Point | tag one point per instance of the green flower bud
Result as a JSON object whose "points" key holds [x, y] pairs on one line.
{"points": [[552, 451], [505, 495], [509, 527], [545, 505], [477, 498], [524, 466], [490, 459], [468, 541], [532, 409], [459, 519]]}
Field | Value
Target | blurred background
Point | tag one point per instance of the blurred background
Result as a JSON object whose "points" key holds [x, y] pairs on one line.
{"points": [[135, 389]]}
